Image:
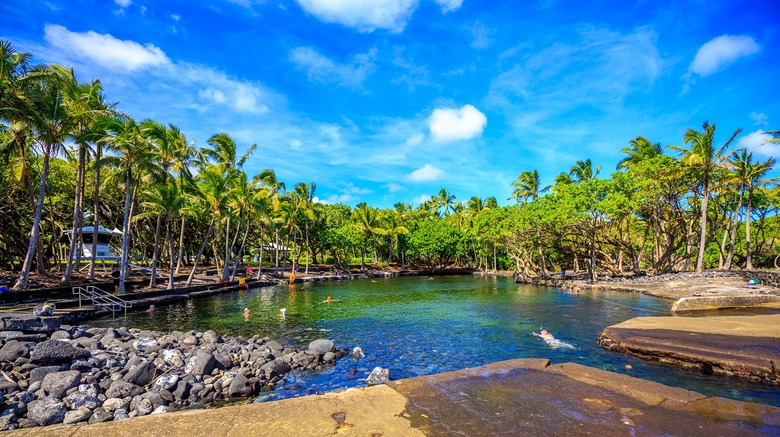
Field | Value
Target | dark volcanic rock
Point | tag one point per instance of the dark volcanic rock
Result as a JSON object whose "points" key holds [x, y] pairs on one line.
{"points": [[57, 383], [12, 350], [47, 411], [56, 352]]}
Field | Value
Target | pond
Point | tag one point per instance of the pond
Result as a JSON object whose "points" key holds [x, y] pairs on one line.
{"points": [[415, 326]]}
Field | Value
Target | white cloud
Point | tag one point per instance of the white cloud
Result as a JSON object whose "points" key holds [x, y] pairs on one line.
{"points": [[215, 88], [123, 3], [175, 17], [363, 15], [393, 187], [422, 198], [448, 124], [721, 52], [424, 174], [759, 118], [414, 140], [449, 5], [324, 70], [106, 50], [756, 142]]}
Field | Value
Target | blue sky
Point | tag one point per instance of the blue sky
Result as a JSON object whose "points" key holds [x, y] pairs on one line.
{"points": [[388, 101]]}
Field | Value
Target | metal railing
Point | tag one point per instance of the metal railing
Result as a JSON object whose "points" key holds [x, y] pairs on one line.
{"points": [[102, 298]]}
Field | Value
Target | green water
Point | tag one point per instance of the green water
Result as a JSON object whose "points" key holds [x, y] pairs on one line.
{"points": [[415, 326]]}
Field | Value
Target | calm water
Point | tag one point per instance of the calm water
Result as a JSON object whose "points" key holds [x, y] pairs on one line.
{"points": [[415, 326]]}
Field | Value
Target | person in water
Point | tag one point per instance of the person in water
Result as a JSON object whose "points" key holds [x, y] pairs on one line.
{"points": [[247, 313], [242, 282], [328, 300], [552, 341], [282, 312]]}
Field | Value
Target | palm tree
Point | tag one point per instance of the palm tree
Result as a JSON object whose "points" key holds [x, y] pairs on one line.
{"points": [[225, 151], [444, 202], [582, 171], [134, 156], [366, 220], [306, 194], [45, 114], [641, 149], [527, 186], [162, 201], [392, 224], [756, 179], [213, 198], [703, 157]]}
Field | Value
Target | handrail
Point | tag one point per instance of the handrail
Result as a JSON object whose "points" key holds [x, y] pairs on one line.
{"points": [[102, 298]]}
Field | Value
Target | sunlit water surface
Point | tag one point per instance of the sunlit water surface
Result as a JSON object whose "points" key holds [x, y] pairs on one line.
{"points": [[415, 326]]}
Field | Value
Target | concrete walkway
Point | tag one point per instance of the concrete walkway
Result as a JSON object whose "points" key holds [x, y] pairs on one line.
{"points": [[516, 397], [745, 346]]}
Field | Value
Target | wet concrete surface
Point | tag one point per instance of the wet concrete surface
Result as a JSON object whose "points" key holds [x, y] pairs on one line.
{"points": [[515, 397]]}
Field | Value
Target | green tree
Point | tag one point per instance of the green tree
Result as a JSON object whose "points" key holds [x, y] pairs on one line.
{"points": [[527, 186], [703, 157]]}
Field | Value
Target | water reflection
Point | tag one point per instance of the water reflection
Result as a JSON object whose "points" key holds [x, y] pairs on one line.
{"points": [[414, 327]]}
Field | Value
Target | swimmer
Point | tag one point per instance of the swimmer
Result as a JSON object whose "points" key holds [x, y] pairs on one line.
{"points": [[247, 313], [151, 309], [328, 300], [282, 312], [552, 341]]}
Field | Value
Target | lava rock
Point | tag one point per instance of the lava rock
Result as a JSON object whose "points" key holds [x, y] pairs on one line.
{"points": [[56, 352]]}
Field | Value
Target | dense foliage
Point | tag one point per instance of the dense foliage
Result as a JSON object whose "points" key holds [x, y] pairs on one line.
{"points": [[69, 158]]}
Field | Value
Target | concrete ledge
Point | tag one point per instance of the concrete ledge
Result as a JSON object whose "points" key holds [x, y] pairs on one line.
{"points": [[704, 303]]}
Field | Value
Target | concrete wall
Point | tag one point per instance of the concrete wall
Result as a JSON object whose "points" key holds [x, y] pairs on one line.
{"points": [[767, 277]]}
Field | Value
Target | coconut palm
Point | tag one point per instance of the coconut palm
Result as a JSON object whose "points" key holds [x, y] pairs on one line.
{"points": [[641, 149], [703, 157], [163, 202], [306, 194], [392, 224], [134, 155], [444, 203], [583, 171], [46, 116], [366, 220], [527, 186]]}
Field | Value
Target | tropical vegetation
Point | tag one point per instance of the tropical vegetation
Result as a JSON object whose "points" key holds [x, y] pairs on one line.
{"points": [[64, 145]]}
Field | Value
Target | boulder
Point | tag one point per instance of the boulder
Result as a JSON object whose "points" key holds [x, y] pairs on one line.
{"points": [[202, 363], [112, 404], [56, 352], [357, 353], [173, 357], [142, 344], [166, 382], [240, 386], [85, 397], [39, 373], [7, 422], [100, 415], [47, 411], [57, 383], [12, 350], [60, 335], [275, 368], [321, 346], [76, 416], [378, 376], [211, 337], [140, 374], [120, 389]]}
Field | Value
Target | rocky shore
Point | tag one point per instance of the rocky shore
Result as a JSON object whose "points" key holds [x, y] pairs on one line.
{"points": [[81, 375]]}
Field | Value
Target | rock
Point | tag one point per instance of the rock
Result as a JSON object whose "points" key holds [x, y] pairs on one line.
{"points": [[120, 389], [183, 389], [161, 409], [140, 374], [7, 422], [76, 416], [239, 387], [357, 353], [173, 357], [143, 407], [211, 337], [378, 376], [113, 404], [142, 344], [57, 383], [47, 411], [329, 357], [12, 350], [39, 373], [121, 414], [320, 347], [85, 397], [56, 352], [275, 368], [202, 363], [166, 382], [100, 415], [60, 335], [8, 386]]}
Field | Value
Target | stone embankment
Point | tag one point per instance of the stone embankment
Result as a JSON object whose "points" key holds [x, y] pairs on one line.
{"points": [[51, 373]]}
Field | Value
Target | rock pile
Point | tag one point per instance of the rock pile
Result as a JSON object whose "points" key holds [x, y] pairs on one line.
{"points": [[81, 375]]}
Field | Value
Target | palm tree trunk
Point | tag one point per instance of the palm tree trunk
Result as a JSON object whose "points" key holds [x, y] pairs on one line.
{"points": [[155, 251], [126, 228], [703, 226], [748, 252], [181, 247], [21, 283], [226, 267], [75, 241], [734, 227], [240, 250], [200, 253], [95, 217], [169, 237]]}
